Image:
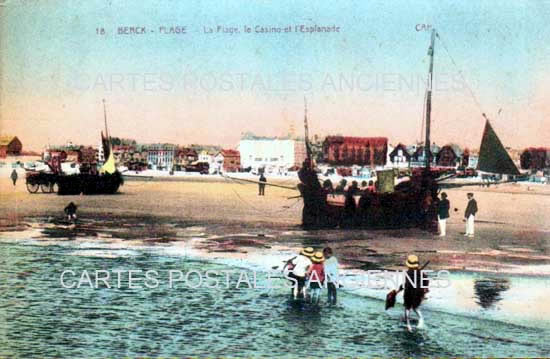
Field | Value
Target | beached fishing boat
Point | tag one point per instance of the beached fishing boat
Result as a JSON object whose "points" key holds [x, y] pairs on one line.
{"points": [[411, 203], [105, 181]]}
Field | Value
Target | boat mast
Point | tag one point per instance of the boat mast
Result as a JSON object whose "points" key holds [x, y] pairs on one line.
{"points": [[308, 147], [427, 143], [105, 118]]}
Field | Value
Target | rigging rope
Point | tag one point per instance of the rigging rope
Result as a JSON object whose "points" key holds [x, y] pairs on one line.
{"points": [[461, 74], [254, 207]]}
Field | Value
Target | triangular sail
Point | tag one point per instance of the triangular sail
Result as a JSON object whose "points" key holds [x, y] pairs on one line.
{"points": [[493, 157], [109, 166]]}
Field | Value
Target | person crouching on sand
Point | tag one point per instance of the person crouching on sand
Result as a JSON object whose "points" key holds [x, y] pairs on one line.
{"points": [[316, 276], [70, 211], [300, 265], [331, 274]]}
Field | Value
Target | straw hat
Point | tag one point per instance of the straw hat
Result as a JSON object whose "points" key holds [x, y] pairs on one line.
{"points": [[412, 261], [308, 251], [317, 257]]}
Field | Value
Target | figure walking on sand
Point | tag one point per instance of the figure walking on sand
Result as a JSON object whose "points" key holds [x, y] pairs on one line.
{"points": [[261, 185], [469, 215], [14, 177], [443, 214]]}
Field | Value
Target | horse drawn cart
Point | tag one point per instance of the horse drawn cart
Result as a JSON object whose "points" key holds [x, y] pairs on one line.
{"points": [[45, 181]]}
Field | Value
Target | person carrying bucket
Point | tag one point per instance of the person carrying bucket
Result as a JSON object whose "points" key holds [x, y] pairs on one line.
{"points": [[415, 286]]}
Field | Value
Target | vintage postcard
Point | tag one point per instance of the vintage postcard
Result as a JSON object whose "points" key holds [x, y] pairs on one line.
{"points": [[274, 179]]}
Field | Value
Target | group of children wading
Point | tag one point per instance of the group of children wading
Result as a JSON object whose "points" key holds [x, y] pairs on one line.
{"points": [[311, 271]]}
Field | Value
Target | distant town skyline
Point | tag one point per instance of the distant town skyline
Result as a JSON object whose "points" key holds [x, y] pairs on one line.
{"points": [[179, 83]]}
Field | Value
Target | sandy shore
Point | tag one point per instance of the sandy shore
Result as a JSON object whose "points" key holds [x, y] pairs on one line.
{"points": [[512, 229]]}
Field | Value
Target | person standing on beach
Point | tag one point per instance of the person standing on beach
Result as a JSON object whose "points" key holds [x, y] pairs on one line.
{"points": [[14, 177], [331, 274], [443, 214], [426, 207], [371, 187], [469, 215], [263, 180], [341, 186]]}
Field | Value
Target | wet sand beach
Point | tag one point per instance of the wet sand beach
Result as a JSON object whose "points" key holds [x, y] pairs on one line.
{"points": [[512, 229]]}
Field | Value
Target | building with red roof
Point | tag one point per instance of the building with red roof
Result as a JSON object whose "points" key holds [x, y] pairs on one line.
{"points": [[363, 151], [535, 158], [228, 160], [10, 146]]}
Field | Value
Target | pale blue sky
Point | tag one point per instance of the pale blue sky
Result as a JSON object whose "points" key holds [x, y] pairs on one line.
{"points": [[51, 53]]}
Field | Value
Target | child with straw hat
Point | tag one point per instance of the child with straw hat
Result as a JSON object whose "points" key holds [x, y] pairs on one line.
{"points": [[297, 273], [414, 291], [316, 276]]}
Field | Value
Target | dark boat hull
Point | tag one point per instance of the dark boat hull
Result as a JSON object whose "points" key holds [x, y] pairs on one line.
{"points": [[403, 208], [89, 183]]}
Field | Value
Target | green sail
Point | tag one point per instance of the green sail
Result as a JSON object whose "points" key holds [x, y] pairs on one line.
{"points": [[493, 157]]}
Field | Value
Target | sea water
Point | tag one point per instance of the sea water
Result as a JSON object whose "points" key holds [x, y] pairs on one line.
{"points": [[41, 318]]}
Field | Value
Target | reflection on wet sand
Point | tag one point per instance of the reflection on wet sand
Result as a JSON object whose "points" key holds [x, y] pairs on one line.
{"points": [[488, 291]]}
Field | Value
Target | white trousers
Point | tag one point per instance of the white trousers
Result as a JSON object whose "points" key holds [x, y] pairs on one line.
{"points": [[442, 226], [470, 225]]}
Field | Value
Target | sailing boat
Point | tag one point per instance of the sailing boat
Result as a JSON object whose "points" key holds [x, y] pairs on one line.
{"points": [[107, 181], [411, 202]]}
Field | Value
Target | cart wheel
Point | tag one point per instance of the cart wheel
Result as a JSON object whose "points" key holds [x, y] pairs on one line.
{"points": [[46, 187], [32, 187]]}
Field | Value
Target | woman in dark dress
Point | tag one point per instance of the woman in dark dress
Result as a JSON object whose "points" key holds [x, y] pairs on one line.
{"points": [[416, 286]]}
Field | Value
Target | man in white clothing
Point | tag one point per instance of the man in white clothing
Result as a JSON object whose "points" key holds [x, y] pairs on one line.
{"points": [[469, 215]]}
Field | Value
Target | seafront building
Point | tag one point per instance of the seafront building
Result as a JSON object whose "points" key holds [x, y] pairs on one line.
{"points": [[161, 156], [272, 155], [399, 157], [361, 151], [183, 157], [206, 157], [226, 161], [10, 146], [535, 158], [342, 155]]}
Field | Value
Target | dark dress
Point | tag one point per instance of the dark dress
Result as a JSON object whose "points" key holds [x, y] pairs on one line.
{"points": [[414, 293]]}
